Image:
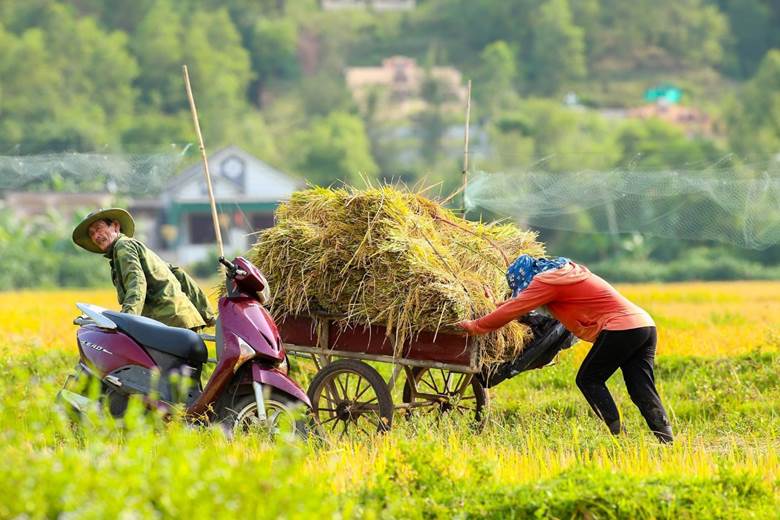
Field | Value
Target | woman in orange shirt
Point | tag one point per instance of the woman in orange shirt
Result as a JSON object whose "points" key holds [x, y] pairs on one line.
{"points": [[623, 334]]}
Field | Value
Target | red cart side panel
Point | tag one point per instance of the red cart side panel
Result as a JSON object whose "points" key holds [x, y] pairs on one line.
{"points": [[447, 348], [298, 330]]}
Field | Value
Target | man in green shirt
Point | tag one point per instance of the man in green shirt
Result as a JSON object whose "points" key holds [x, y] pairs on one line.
{"points": [[145, 284]]}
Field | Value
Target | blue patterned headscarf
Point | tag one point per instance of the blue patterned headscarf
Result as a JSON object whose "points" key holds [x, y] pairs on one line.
{"points": [[522, 271]]}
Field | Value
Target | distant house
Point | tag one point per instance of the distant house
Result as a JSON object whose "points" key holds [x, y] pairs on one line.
{"points": [[691, 120], [177, 223], [247, 191], [27, 205], [376, 5], [396, 86]]}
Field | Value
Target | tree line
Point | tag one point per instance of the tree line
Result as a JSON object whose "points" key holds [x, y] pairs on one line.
{"points": [[87, 75]]}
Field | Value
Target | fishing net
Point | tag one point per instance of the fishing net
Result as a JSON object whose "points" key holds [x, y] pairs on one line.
{"points": [[126, 174], [739, 206]]}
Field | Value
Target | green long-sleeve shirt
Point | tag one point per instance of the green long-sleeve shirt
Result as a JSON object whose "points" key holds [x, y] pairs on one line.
{"points": [[146, 285]]}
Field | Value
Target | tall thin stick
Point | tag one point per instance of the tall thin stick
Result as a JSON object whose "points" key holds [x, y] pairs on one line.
{"points": [[466, 147], [194, 111]]}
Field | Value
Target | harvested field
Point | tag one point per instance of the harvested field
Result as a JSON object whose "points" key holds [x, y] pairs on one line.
{"points": [[384, 256], [543, 454]]}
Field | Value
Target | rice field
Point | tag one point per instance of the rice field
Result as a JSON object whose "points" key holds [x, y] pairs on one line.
{"points": [[542, 454]]}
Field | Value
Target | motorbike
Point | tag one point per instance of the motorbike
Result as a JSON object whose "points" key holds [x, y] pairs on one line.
{"points": [[125, 355]]}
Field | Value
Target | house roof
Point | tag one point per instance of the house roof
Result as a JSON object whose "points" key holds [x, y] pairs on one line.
{"points": [[195, 172]]}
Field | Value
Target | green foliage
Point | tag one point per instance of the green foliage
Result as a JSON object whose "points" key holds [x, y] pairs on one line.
{"points": [[273, 50], [220, 65], [334, 147], [661, 145], [93, 75], [40, 253], [558, 48], [542, 456], [544, 129], [753, 128], [694, 264], [652, 34], [64, 83], [158, 44], [751, 27], [495, 78]]}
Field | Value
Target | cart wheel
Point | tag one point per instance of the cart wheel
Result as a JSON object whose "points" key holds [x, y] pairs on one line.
{"points": [[349, 395], [442, 391]]}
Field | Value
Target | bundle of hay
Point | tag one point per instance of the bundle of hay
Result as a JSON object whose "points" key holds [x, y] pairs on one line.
{"points": [[386, 257]]}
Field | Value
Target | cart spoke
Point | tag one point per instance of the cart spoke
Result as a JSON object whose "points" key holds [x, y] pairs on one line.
{"points": [[438, 378], [346, 384], [341, 384], [331, 391], [368, 386], [373, 399], [457, 386], [330, 399], [332, 418], [357, 386], [446, 376], [432, 387]]}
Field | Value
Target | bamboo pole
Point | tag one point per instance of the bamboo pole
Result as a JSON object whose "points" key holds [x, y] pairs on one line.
{"points": [[464, 173], [214, 216]]}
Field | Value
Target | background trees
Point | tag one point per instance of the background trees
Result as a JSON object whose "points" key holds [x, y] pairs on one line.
{"points": [[102, 75]]}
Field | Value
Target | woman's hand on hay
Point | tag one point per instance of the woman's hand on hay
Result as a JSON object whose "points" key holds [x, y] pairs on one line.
{"points": [[471, 327], [489, 295]]}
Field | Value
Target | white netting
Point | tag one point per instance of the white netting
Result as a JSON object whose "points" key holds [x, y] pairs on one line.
{"points": [[734, 205], [127, 174]]}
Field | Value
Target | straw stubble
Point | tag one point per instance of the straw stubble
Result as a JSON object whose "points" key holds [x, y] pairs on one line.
{"points": [[383, 256]]}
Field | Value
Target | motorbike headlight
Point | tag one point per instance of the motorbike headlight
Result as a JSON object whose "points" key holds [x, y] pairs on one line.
{"points": [[246, 353]]}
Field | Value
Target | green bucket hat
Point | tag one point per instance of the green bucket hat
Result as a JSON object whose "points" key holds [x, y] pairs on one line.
{"points": [[81, 233]]}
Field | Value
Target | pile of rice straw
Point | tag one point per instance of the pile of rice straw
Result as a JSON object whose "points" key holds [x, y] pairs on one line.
{"points": [[388, 257]]}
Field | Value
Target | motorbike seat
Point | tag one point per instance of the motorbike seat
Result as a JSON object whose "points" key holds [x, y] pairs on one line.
{"points": [[182, 343]]}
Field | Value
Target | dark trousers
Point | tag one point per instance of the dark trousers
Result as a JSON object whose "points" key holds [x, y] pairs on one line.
{"points": [[633, 351]]}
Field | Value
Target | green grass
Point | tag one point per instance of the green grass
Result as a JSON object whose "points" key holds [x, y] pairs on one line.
{"points": [[542, 455]]}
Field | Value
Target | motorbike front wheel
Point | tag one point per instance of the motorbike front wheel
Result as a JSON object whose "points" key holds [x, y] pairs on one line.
{"points": [[284, 417]]}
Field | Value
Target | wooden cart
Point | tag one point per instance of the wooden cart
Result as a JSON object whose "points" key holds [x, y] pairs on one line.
{"points": [[348, 394]]}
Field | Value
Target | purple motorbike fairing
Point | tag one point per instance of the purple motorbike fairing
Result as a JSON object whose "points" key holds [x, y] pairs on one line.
{"points": [[279, 380], [246, 318], [106, 351]]}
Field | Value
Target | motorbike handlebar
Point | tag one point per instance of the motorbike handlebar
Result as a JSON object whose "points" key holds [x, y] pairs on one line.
{"points": [[232, 270], [227, 263]]}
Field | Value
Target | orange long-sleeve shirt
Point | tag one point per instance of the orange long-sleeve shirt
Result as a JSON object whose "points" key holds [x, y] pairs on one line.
{"points": [[584, 303]]}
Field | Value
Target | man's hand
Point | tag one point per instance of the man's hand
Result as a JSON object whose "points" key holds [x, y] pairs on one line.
{"points": [[471, 327]]}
